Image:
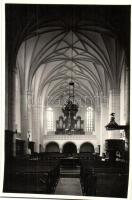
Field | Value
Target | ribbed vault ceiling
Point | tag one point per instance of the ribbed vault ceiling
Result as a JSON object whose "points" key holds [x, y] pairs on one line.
{"points": [[56, 51]]}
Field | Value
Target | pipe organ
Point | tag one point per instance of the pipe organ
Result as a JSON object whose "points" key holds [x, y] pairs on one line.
{"points": [[69, 126]]}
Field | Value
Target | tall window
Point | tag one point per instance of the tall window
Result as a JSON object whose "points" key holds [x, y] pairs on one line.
{"points": [[90, 119], [49, 119]]}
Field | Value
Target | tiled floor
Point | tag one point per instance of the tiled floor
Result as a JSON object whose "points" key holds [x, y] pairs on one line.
{"points": [[69, 186]]}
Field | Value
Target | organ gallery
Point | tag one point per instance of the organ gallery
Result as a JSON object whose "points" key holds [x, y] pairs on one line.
{"points": [[67, 99]]}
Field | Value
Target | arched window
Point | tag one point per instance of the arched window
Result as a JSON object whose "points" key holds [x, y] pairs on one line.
{"points": [[90, 119], [49, 119]]}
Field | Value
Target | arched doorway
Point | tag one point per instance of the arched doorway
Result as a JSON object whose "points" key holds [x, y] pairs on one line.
{"points": [[87, 147], [69, 149], [52, 147]]}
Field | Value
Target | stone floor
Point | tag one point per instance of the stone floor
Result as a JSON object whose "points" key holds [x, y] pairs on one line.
{"points": [[69, 186], [70, 173]]}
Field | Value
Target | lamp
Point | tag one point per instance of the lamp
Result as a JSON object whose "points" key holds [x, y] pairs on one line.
{"points": [[70, 108]]}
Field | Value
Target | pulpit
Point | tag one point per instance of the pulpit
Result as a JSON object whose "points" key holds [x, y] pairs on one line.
{"points": [[114, 148], [31, 146]]}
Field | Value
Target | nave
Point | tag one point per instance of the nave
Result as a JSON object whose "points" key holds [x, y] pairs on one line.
{"points": [[85, 176]]}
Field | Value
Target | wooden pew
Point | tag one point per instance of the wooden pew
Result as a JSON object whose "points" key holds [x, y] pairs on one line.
{"points": [[26, 183], [104, 179], [32, 176]]}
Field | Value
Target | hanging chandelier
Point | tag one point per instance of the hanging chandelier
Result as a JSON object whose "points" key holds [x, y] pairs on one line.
{"points": [[70, 108]]}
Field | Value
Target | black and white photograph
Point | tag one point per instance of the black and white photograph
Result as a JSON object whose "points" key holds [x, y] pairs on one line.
{"points": [[67, 100]]}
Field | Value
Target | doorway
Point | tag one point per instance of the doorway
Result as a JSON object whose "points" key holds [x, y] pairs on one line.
{"points": [[69, 149]]}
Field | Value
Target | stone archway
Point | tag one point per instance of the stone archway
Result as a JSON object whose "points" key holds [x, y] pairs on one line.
{"points": [[52, 147], [87, 147], [69, 149]]}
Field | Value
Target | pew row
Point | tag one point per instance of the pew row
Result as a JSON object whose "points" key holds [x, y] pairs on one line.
{"points": [[104, 179], [31, 176]]}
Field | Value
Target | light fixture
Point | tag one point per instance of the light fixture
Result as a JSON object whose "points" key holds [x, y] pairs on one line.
{"points": [[70, 108]]}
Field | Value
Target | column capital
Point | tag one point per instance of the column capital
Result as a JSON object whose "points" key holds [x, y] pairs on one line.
{"points": [[104, 99], [29, 92], [26, 92], [114, 91], [97, 103], [127, 68], [35, 106], [97, 98]]}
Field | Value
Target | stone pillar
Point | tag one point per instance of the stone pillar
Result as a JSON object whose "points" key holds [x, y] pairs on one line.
{"points": [[24, 119], [14, 110], [127, 107], [103, 122], [127, 95], [97, 125], [60, 150], [44, 147], [122, 97], [29, 113], [10, 99], [44, 121], [78, 149], [61, 147], [114, 107], [41, 121], [14, 144], [36, 126], [97, 118]]}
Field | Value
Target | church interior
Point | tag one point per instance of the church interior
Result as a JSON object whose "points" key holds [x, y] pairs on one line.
{"points": [[67, 100]]}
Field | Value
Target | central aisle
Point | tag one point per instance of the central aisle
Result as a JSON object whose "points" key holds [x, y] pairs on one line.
{"points": [[69, 186]]}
